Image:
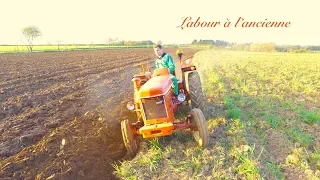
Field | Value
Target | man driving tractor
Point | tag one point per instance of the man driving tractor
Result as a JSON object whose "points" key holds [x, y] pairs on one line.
{"points": [[165, 61], [155, 104]]}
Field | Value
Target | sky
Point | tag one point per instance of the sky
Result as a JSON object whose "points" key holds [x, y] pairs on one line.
{"points": [[95, 21]]}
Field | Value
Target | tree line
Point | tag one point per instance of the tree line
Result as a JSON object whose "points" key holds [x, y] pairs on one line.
{"points": [[32, 32], [257, 47], [211, 42], [117, 42]]}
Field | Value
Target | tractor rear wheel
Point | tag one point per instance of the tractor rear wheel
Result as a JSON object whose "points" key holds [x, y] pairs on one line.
{"points": [[195, 90], [129, 139], [199, 127]]}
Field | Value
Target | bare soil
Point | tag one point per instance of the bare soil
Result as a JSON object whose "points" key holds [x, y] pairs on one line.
{"points": [[60, 112]]}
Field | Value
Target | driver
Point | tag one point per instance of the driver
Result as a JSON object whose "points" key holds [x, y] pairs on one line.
{"points": [[165, 61]]}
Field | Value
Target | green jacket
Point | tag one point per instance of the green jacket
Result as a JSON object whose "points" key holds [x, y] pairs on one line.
{"points": [[165, 61]]}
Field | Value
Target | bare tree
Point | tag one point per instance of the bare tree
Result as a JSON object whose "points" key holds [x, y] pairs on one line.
{"points": [[17, 46], [59, 44], [30, 33], [112, 41]]}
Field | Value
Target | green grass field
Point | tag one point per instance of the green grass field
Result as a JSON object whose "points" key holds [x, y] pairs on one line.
{"points": [[73, 47], [263, 114], [63, 47]]}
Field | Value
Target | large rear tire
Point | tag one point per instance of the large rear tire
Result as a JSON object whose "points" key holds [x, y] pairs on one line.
{"points": [[129, 139], [199, 127], [195, 91]]}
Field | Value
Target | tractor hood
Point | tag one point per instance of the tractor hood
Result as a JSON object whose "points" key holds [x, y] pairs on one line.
{"points": [[157, 85]]}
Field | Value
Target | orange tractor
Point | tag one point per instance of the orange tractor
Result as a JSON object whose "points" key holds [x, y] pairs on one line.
{"points": [[155, 105]]}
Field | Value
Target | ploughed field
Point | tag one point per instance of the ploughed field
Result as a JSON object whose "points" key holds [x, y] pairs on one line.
{"points": [[60, 111]]}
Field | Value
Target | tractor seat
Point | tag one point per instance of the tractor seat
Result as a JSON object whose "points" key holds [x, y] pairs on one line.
{"points": [[161, 72]]}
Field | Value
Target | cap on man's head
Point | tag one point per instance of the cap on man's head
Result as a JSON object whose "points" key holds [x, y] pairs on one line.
{"points": [[157, 46]]}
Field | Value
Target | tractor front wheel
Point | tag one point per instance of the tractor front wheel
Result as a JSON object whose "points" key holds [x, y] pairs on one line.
{"points": [[129, 139], [199, 127]]}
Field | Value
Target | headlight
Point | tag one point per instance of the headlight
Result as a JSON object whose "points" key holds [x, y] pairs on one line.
{"points": [[181, 97], [130, 106]]}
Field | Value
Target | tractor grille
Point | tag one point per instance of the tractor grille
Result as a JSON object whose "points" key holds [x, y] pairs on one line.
{"points": [[154, 108]]}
